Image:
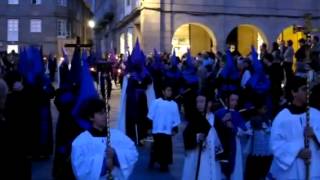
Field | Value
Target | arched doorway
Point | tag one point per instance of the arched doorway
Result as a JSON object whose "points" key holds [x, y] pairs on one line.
{"points": [[291, 33], [244, 36], [195, 37]]}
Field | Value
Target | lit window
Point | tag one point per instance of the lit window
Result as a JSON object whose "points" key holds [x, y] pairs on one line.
{"points": [[36, 2], [13, 30], [62, 2], [62, 27], [13, 1], [35, 25], [122, 43]]}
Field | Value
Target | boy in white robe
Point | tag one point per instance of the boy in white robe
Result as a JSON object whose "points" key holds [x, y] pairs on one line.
{"points": [[287, 138], [165, 116], [91, 158]]}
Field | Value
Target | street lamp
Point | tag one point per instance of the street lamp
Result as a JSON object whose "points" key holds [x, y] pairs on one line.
{"points": [[91, 24]]}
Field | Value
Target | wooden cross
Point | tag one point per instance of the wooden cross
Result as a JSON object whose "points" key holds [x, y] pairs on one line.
{"points": [[78, 45]]}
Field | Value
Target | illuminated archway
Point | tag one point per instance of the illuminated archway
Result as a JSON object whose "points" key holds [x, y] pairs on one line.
{"points": [[193, 36], [289, 33], [246, 35]]}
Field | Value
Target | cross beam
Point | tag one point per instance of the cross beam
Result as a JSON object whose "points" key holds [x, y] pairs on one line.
{"points": [[78, 45]]}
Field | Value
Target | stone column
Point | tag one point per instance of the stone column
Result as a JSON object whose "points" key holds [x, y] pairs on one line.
{"points": [[150, 26]]}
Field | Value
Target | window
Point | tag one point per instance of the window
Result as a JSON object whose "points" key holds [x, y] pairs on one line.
{"points": [[13, 1], [35, 25], [127, 7], [62, 2], [36, 2], [13, 30], [122, 43], [130, 39], [62, 27]]}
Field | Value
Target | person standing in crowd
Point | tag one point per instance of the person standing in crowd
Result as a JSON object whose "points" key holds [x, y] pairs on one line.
{"points": [[258, 144], [230, 125], [104, 67], [315, 53], [91, 156], [165, 116], [282, 48], [275, 73], [52, 66], [263, 50], [18, 137], [301, 53], [288, 60], [201, 145], [288, 133], [137, 95]]}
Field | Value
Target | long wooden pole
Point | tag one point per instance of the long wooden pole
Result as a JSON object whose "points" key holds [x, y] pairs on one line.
{"points": [[306, 138], [108, 108]]}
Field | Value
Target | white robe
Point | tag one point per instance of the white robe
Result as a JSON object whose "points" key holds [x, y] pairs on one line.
{"points": [[210, 118], [209, 168], [122, 113], [245, 78], [287, 140], [88, 153], [164, 115]]}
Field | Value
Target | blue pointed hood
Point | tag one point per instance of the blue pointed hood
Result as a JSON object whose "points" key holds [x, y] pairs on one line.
{"points": [[230, 70], [31, 66], [189, 73], [174, 61], [137, 56], [86, 91], [258, 81]]}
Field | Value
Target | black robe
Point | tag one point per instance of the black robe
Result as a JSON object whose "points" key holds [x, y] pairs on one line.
{"points": [[276, 76], [198, 124], [66, 131], [40, 127], [17, 138], [137, 108]]}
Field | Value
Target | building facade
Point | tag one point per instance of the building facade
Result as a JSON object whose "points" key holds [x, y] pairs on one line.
{"points": [[49, 23], [203, 24]]}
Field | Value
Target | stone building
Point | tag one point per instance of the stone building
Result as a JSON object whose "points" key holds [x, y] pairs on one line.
{"points": [[49, 23], [200, 24]]}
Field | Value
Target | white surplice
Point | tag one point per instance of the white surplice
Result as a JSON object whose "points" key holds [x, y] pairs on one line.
{"points": [[209, 168], [164, 115], [88, 153], [287, 140], [122, 113]]}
